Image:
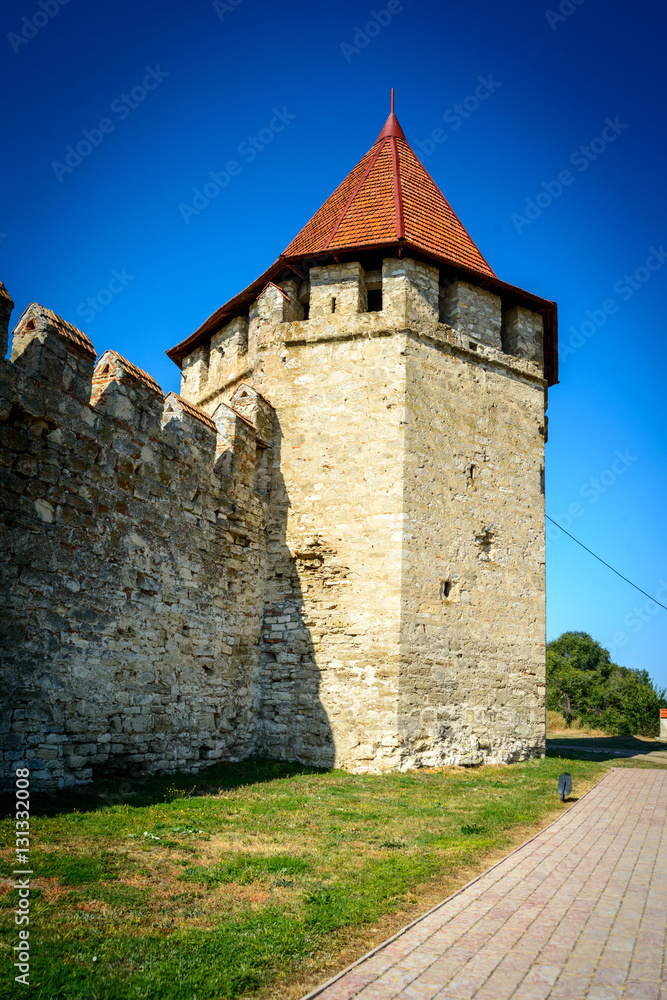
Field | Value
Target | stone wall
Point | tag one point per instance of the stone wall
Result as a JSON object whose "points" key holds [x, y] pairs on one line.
{"points": [[405, 565], [328, 548], [133, 548], [472, 678]]}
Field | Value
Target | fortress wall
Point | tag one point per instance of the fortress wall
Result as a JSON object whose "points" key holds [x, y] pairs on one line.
{"points": [[133, 559], [329, 548]]}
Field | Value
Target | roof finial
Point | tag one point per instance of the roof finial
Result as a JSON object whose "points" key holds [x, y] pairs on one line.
{"points": [[392, 100]]}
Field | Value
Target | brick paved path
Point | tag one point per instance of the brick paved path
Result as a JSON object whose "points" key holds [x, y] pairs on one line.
{"points": [[578, 912]]}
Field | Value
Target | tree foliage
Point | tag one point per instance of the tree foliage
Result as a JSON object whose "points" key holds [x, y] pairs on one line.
{"points": [[584, 684]]}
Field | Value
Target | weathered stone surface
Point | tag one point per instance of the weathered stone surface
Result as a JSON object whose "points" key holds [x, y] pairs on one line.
{"points": [[329, 547], [132, 583], [405, 566], [475, 311], [523, 334]]}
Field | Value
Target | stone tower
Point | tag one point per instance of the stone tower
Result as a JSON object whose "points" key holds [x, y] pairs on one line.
{"points": [[398, 388]]}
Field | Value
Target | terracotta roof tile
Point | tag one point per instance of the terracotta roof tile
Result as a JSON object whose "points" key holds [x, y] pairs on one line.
{"points": [[113, 357], [397, 198], [388, 201], [193, 410], [36, 313]]}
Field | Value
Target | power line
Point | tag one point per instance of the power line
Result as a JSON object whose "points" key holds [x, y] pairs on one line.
{"points": [[605, 563]]}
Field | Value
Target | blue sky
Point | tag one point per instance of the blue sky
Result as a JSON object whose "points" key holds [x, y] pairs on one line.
{"points": [[182, 89]]}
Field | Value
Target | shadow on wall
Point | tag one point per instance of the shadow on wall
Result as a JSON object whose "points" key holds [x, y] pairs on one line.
{"points": [[293, 723]]}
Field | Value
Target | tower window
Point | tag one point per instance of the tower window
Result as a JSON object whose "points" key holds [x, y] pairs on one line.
{"points": [[374, 300], [333, 305]]}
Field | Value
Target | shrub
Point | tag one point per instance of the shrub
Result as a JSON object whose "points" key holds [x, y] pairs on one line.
{"points": [[583, 684]]}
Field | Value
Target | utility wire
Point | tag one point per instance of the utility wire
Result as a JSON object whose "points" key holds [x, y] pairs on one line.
{"points": [[605, 563]]}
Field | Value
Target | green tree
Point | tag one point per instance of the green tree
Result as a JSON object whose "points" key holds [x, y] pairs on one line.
{"points": [[583, 683]]}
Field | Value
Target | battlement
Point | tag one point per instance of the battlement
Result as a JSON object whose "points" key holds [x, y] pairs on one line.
{"points": [[343, 301], [131, 521]]}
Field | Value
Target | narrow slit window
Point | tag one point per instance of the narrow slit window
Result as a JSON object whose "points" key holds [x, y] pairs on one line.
{"points": [[333, 305], [374, 300]]}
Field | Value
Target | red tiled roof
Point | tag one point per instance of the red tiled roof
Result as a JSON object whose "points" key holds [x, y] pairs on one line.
{"points": [[135, 372], [193, 410], [389, 196], [388, 202]]}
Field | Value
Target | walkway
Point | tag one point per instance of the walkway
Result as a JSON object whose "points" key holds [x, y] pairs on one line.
{"points": [[578, 912]]}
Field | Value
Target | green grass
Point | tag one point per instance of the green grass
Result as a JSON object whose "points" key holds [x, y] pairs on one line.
{"points": [[218, 885]]}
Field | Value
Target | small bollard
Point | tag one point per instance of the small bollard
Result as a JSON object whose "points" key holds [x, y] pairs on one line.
{"points": [[564, 786]]}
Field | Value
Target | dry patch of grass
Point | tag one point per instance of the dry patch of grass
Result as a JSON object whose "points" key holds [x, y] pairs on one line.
{"points": [[557, 726]]}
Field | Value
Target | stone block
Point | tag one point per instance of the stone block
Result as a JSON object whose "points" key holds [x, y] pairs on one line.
{"points": [[523, 334], [228, 347], [409, 292], [53, 351], [337, 289], [475, 312]]}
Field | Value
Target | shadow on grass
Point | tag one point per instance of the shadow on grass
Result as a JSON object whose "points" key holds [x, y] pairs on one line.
{"points": [[146, 790], [601, 747]]}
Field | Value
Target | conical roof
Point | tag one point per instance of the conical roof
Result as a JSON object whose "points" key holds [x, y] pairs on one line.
{"points": [[389, 197], [387, 203]]}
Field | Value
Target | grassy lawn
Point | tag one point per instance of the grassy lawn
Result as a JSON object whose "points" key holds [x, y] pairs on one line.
{"points": [[257, 879]]}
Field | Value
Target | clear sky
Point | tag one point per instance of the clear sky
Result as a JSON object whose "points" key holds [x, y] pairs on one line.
{"points": [[164, 94]]}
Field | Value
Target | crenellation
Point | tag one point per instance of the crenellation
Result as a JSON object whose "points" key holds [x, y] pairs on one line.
{"points": [[194, 375], [256, 410], [523, 334], [123, 391], [410, 291], [53, 351], [6, 308], [228, 347], [337, 289], [474, 311]]}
